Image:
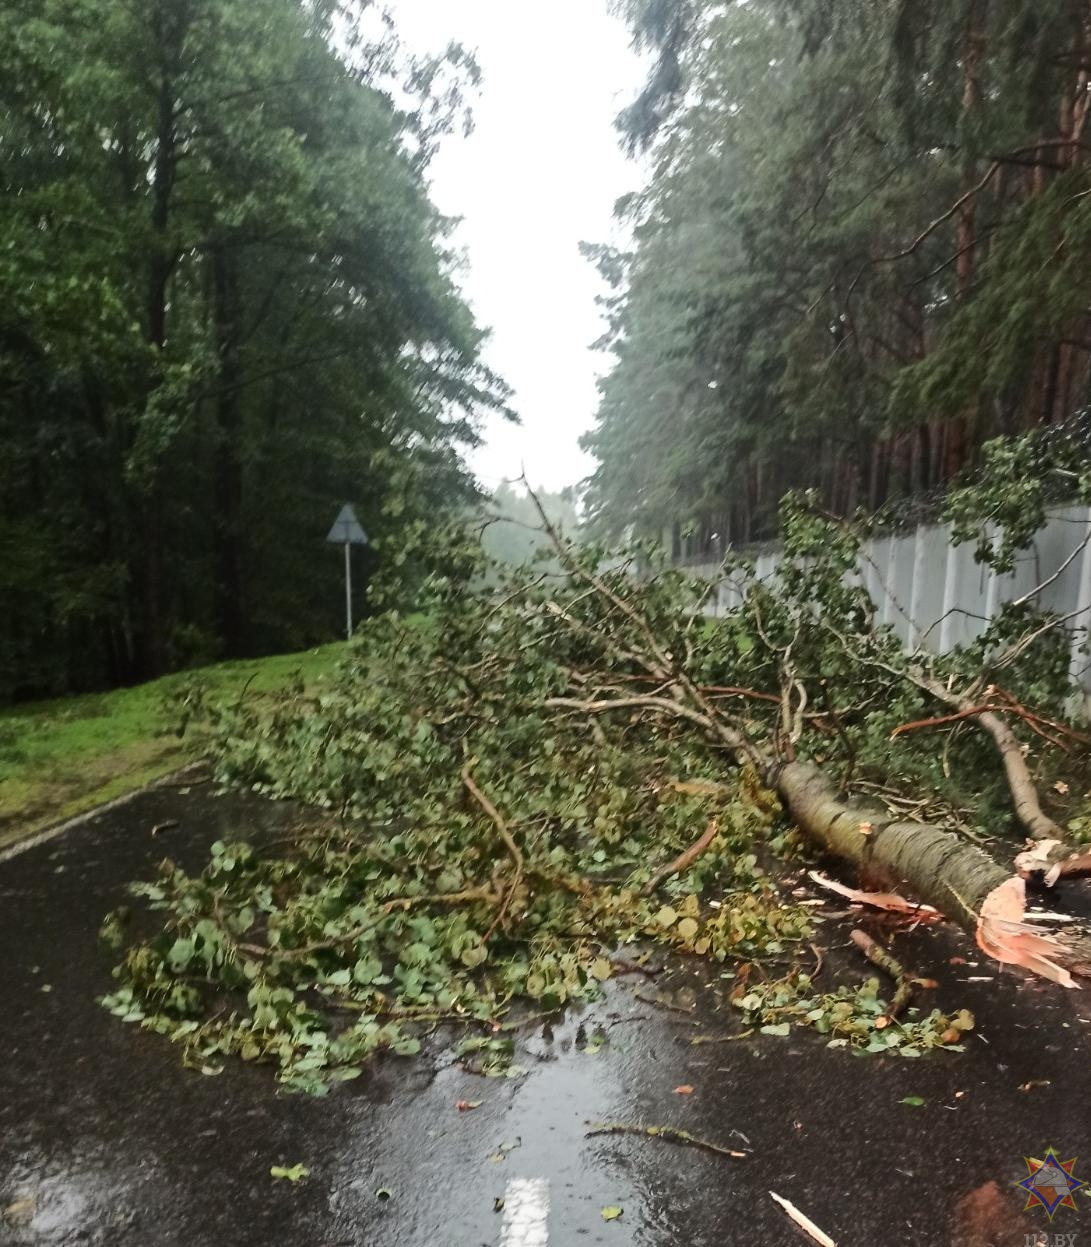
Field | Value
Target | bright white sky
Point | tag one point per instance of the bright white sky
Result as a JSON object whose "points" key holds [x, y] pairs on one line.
{"points": [[539, 175]]}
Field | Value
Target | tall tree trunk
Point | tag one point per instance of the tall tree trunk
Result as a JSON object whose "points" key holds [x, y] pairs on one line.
{"points": [[230, 612], [170, 23], [972, 95], [966, 231]]}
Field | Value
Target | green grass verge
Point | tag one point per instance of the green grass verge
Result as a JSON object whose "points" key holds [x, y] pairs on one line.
{"points": [[59, 758]]}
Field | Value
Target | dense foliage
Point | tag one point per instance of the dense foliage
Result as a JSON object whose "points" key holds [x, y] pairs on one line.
{"points": [[860, 254], [406, 906], [226, 307], [510, 784]]}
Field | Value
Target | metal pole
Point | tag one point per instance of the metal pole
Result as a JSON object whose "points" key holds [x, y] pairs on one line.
{"points": [[348, 591]]}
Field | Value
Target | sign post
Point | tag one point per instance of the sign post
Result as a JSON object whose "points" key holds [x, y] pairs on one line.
{"points": [[347, 531]]}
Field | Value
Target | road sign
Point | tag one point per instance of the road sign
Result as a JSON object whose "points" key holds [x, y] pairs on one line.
{"points": [[347, 531]]}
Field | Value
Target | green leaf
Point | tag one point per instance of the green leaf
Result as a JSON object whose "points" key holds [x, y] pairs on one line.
{"points": [[780, 1029], [611, 1212], [474, 955], [367, 970], [914, 1101], [293, 1173], [181, 954]]}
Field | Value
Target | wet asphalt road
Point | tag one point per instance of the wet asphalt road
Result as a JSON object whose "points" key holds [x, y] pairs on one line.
{"points": [[106, 1139]]}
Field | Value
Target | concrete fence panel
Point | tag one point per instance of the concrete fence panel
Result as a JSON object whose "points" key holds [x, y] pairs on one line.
{"points": [[936, 596]]}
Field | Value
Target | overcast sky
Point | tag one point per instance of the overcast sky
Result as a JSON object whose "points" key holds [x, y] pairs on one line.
{"points": [[539, 174]]}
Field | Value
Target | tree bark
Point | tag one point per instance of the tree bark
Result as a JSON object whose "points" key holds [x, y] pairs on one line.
{"points": [[170, 25], [936, 865], [972, 57], [229, 485], [966, 231]]}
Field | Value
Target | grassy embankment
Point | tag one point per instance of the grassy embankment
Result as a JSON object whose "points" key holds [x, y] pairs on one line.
{"points": [[59, 758]]}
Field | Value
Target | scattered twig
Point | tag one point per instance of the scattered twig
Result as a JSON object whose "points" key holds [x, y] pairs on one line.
{"points": [[246, 688], [662, 1004], [703, 1039], [514, 851], [684, 860], [940, 720], [886, 961], [803, 1221], [404, 1015], [668, 1133], [634, 967]]}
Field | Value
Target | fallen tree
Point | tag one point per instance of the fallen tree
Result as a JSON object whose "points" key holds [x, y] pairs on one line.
{"points": [[516, 788], [812, 590]]}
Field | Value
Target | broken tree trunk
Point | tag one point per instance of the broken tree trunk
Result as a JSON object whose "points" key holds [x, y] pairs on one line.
{"points": [[937, 867]]}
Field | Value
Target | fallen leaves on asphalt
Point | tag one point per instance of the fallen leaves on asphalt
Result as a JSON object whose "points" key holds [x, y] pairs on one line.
{"points": [[503, 1149]]}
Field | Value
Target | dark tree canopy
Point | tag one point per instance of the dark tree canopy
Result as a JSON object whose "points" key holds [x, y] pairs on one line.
{"points": [[862, 253], [227, 305]]}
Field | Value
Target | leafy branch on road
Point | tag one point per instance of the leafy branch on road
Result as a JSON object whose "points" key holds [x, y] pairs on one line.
{"points": [[514, 791]]}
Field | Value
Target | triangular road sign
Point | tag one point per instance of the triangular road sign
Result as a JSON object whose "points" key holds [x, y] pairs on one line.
{"points": [[347, 530]]}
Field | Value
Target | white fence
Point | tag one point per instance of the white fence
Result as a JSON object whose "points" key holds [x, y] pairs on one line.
{"points": [[936, 596]]}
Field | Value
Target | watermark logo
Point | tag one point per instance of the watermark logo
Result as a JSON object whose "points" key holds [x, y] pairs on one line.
{"points": [[1050, 1184]]}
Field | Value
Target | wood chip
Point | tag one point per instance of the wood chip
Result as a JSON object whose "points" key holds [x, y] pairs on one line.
{"points": [[878, 900], [804, 1222]]}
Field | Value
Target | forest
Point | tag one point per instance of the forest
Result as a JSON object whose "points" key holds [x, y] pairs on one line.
{"points": [[227, 306], [861, 254]]}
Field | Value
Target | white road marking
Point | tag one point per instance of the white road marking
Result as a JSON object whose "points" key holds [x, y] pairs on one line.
{"points": [[526, 1211]]}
